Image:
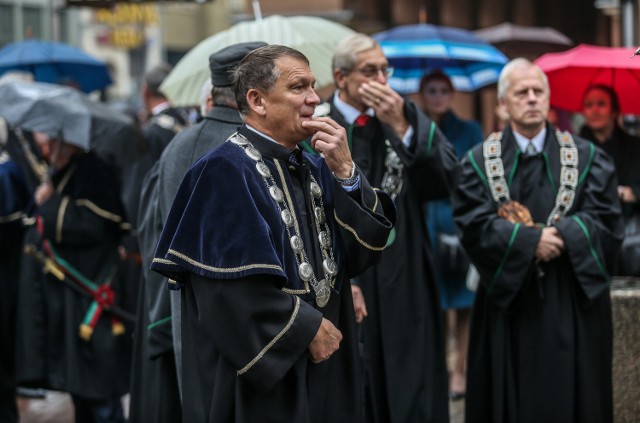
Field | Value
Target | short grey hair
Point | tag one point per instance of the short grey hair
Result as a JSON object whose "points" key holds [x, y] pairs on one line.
{"points": [[345, 55], [517, 63], [258, 70], [224, 96]]}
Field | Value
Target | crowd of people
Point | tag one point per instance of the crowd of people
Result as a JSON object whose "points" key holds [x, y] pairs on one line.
{"points": [[291, 258]]}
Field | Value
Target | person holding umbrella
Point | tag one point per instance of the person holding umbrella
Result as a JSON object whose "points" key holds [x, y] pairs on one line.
{"points": [[71, 331], [601, 109], [450, 261], [401, 151], [539, 217]]}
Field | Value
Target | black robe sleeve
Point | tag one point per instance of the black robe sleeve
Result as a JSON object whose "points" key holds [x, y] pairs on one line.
{"points": [[363, 215], [259, 329], [593, 233]]}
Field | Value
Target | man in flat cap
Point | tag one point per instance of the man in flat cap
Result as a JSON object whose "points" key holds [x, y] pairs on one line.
{"points": [[157, 349]]}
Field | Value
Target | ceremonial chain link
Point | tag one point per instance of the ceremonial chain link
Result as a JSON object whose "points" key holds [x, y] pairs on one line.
{"points": [[323, 287], [392, 180], [494, 168]]}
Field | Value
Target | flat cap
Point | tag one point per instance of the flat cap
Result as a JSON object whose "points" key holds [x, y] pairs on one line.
{"points": [[223, 61]]}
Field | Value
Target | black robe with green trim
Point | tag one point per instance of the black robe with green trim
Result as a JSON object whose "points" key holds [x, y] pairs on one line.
{"points": [[83, 221], [403, 335], [541, 335], [247, 318]]}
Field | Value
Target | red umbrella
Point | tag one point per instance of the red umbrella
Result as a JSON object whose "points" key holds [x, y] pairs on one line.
{"points": [[572, 71]]}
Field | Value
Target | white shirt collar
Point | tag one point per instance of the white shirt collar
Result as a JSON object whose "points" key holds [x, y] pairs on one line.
{"points": [[349, 112], [160, 108], [538, 140], [263, 135]]}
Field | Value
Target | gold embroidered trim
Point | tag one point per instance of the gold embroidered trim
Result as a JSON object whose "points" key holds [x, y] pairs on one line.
{"points": [[66, 178], [11, 217], [375, 195], [274, 340], [295, 291], [162, 261], [224, 270], [99, 211], [353, 231], [60, 219]]}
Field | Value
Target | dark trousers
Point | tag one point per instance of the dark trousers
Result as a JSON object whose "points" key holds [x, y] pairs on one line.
{"points": [[98, 411], [8, 408]]}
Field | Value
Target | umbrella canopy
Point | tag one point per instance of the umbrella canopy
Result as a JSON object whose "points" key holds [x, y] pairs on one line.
{"points": [[62, 112], [414, 50], [315, 37], [571, 72], [528, 41], [55, 62]]}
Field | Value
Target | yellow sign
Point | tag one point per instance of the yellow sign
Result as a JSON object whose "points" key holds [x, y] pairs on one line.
{"points": [[125, 24], [145, 14]]}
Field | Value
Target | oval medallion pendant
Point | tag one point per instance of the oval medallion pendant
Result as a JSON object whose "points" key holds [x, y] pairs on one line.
{"points": [[252, 152], [305, 271], [323, 293], [276, 193], [330, 267], [287, 217], [239, 140], [263, 169], [316, 191], [296, 244]]}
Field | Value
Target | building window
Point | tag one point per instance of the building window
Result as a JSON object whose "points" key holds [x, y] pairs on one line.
{"points": [[6, 24], [32, 22]]}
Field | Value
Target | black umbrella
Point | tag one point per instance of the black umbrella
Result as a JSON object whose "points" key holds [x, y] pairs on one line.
{"points": [[526, 41], [63, 112]]}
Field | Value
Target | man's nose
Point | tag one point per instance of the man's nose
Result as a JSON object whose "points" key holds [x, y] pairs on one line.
{"points": [[313, 97]]}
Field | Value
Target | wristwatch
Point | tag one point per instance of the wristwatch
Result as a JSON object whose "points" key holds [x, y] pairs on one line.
{"points": [[352, 179]]}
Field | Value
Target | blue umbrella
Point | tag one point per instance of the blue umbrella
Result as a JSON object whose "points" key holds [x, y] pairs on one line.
{"points": [[414, 50], [56, 63]]}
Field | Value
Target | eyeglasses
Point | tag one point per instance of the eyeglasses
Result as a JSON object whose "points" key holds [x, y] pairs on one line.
{"points": [[373, 71]]}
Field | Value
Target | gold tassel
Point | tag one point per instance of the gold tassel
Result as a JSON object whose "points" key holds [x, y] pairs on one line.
{"points": [[85, 332], [117, 328]]}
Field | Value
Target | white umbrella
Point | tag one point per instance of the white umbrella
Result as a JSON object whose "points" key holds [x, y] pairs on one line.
{"points": [[315, 37]]}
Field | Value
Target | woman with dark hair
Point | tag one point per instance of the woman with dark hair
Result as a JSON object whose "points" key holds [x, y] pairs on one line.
{"points": [[601, 109], [450, 262]]}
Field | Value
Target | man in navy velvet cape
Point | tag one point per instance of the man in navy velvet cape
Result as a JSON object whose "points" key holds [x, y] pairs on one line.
{"points": [[262, 340]]}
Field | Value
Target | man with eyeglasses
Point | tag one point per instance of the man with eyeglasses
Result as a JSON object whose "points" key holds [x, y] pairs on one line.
{"points": [[402, 152]]}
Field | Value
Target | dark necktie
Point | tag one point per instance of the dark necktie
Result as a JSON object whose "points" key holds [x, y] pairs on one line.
{"points": [[362, 120]]}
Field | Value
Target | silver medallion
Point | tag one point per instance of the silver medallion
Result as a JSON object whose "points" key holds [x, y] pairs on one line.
{"points": [[330, 266], [276, 193], [263, 169], [325, 239], [305, 271], [287, 217], [319, 213], [239, 140], [316, 191], [296, 244], [252, 152], [323, 292]]}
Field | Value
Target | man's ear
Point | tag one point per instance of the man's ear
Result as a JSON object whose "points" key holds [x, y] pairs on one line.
{"points": [[339, 77], [256, 102]]}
